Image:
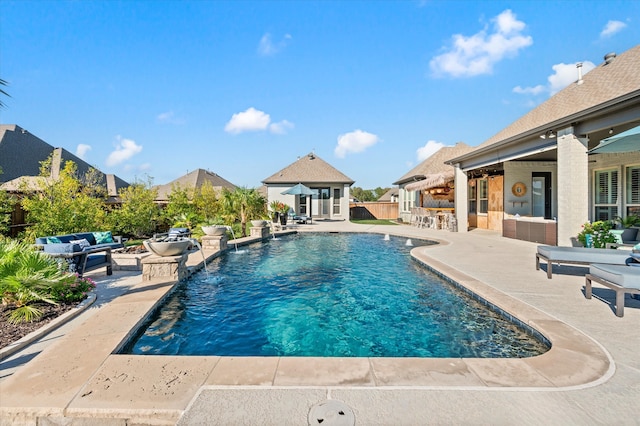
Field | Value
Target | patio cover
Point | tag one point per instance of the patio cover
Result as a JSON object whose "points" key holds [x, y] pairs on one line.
{"points": [[299, 189], [431, 181], [628, 141]]}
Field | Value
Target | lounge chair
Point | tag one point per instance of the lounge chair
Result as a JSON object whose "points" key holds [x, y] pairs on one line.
{"points": [[621, 279], [579, 256]]}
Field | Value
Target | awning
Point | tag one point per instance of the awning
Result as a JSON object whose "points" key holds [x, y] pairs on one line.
{"points": [[431, 181], [628, 141]]}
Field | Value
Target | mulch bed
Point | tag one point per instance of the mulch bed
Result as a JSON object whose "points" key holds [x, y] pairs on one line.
{"points": [[10, 333]]}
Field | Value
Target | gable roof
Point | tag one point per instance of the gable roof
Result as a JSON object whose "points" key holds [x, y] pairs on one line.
{"points": [[306, 170], [391, 192], [613, 85], [194, 179], [435, 163], [21, 153]]}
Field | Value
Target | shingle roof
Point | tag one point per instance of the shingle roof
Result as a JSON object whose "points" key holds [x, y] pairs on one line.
{"points": [[603, 84], [194, 179], [308, 169], [435, 163], [387, 195], [21, 153]]}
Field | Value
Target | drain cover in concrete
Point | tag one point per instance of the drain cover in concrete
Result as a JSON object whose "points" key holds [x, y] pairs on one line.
{"points": [[331, 413]]}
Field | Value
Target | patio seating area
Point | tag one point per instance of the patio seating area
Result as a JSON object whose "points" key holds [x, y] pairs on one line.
{"points": [[433, 218]]}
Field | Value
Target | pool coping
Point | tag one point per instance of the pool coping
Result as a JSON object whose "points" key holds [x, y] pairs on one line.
{"points": [[96, 382]]}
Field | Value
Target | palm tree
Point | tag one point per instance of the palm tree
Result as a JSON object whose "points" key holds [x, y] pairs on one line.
{"points": [[242, 204], [3, 83]]}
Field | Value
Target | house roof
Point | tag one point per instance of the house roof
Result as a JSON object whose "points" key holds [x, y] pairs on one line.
{"points": [[435, 163], [391, 192], [194, 179], [611, 83], [306, 170], [21, 153]]}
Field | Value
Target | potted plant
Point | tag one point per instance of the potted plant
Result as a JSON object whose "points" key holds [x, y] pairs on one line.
{"points": [[214, 227], [284, 213], [274, 207], [596, 234], [628, 225]]}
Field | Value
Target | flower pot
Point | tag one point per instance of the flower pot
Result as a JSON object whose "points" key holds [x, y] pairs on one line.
{"points": [[283, 219], [167, 248], [258, 223], [214, 230]]}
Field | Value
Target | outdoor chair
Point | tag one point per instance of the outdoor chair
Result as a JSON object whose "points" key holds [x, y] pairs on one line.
{"points": [[619, 278], [578, 256]]}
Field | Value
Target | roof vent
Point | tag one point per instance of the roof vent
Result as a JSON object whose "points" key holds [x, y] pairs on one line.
{"points": [[579, 67], [609, 57]]}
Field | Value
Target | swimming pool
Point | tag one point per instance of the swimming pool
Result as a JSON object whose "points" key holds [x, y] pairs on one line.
{"points": [[328, 295]]}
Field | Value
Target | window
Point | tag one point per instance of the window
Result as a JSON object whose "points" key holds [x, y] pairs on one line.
{"points": [[473, 206], [633, 190], [336, 200], [483, 196], [303, 205], [606, 195], [409, 200]]}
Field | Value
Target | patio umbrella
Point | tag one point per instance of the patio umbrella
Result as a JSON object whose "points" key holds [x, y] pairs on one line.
{"points": [[299, 189], [628, 141]]}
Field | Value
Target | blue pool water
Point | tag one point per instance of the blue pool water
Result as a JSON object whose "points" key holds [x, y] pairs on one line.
{"points": [[348, 295]]}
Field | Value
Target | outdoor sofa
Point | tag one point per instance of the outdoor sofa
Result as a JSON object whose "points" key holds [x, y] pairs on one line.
{"points": [[621, 279], [82, 252], [579, 256]]}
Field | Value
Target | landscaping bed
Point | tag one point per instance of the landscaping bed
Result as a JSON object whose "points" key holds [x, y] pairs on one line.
{"points": [[10, 333]]}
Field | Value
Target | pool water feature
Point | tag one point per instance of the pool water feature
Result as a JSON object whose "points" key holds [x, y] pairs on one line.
{"points": [[329, 295]]}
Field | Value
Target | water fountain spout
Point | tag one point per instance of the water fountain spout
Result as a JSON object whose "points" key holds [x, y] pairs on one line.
{"points": [[409, 242], [234, 240], [204, 259], [386, 237]]}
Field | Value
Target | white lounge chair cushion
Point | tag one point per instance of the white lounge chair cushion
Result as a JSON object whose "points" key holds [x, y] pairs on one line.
{"points": [[583, 254], [624, 276]]}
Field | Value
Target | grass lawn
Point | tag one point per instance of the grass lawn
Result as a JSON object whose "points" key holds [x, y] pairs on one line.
{"points": [[373, 222]]}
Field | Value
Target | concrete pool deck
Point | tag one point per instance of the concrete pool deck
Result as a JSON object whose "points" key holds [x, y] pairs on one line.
{"points": [[590, 376]]}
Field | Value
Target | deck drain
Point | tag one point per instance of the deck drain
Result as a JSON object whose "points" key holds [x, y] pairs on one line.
{"points": [[330, 413]]}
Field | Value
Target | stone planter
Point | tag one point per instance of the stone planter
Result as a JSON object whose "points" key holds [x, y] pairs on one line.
{"points": [[259, 223], [214, 230], [167, 248]]}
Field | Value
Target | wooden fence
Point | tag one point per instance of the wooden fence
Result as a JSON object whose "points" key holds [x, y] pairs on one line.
{"points": [[373, 210]]}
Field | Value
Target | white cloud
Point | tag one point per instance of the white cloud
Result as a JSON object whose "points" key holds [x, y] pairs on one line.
{"points": [[82, 149], [253, 120], [124, 150], [267, 47], [250, 120], [563, 75], [169, 117], [477, 54], [430, 148], [356, 141], [536, 90], [612, 28], [281, 127]]}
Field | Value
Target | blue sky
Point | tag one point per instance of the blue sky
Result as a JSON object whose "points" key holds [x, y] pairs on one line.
{"points": [[243, 88]]}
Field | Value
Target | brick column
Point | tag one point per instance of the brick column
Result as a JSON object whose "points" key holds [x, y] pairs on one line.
{"points": [[172, 268], [461, 199], [259, 231], [214, 242], [573, 186]]}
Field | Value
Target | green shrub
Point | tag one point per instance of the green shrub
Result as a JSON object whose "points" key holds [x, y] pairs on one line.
{"points": [[29, 277], [599, 232]]}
